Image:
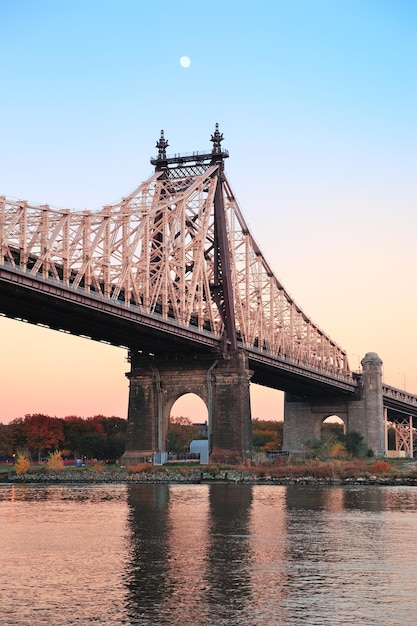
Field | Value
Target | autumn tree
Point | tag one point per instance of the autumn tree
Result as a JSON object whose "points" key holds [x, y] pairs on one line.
{"points": [[333, 431], [95, 424], [6, 442], [17, 434], [96, 437], [74, 429], [335, 443], [181, 433], [267, 434], [93, 446], [22, 464], [43, 433], [93, 443]]}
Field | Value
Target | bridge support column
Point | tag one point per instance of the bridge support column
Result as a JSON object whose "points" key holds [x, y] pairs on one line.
{"points": [[156, 383], [303, 417], [231, 431], [369, 417], [144, 405]]}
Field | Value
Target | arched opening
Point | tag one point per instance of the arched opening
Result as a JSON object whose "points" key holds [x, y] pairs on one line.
{"points": [[266, 403], [190, 406], [188, 421], [332, 436]]}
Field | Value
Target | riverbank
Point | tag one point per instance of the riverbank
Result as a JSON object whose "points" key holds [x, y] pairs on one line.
{"points": [[178, 479], [355, 472]]}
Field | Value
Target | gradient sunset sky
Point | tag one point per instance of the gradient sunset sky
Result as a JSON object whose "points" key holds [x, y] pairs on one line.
{"points": [[317, 101]]}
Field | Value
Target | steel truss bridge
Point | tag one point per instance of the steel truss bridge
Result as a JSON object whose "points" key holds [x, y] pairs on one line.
{"points": [[172, 267]]}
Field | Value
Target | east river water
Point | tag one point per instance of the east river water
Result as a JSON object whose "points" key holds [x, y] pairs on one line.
{"points": [[200, 555]]}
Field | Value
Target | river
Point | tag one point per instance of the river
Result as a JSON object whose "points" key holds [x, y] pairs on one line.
{"points": [[202, 555]]}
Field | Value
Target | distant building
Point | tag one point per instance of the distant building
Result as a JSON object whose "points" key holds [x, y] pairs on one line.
{"points": [[202, 430]]}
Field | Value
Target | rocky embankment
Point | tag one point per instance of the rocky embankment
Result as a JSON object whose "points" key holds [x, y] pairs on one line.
{"points": [[195, 476]]}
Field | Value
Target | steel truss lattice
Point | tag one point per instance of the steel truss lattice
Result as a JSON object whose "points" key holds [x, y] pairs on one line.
{"points": [[156, 250]]}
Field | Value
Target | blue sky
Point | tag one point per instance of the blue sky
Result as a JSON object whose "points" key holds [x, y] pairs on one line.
{"points": [[317, 101]]}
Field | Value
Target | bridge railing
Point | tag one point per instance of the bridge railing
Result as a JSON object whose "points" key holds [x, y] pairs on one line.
{"points": [[399, 394]]}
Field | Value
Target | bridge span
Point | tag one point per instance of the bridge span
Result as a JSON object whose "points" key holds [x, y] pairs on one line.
{"points": [[173, 274]]}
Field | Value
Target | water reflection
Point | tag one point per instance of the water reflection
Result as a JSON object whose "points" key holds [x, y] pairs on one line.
{"points": [[229, 558], [62, 554], [149, 549], [207, 555], [190, 559], [269, 575], [339, 553]]}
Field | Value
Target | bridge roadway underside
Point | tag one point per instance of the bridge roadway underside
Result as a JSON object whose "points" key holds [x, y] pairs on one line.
{"points": [[168, 360], [48, 303]]}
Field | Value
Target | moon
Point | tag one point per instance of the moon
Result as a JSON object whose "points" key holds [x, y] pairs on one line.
{"points": [[185, 61]]}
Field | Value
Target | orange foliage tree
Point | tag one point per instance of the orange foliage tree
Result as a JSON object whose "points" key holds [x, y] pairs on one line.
{"points": [[267, 435], [43, 432]]}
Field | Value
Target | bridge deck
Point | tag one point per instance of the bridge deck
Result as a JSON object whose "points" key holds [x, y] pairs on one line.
{"points": [[48, 303]]}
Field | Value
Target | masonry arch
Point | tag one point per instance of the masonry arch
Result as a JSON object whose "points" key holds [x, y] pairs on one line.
{"points": [[332, 435], [222, 384], [191, 406], [334, 422], [188, 420]]}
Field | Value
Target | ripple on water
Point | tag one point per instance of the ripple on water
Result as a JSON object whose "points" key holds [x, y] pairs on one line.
{"points": [[207, 555]]}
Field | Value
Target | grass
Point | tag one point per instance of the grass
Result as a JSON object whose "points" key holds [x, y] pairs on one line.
{"points": [[280, 468], [339, 469], [37, 468]]}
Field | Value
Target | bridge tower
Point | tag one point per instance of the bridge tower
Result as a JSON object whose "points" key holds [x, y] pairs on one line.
{"points": [[172, 273], [222, 379]]}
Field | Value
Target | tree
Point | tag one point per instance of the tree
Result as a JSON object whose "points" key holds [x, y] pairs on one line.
{"points": [[114, 426], [181, 433], [43, 433], [18, 434], [333, 431], [354, 443], [93, 446], [6, 442], [267, 435], [74, 429], [315, 447], [115, 429], [95, 437], [95, 424]]}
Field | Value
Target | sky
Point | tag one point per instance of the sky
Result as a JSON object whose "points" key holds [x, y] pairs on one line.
{"points": [[317, 102]]}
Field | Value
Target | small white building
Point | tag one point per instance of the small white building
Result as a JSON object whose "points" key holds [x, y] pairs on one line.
{"points": [[200, 446]]}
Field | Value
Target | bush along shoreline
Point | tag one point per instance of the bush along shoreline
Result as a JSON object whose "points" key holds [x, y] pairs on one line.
{"points": [[334, 472]]}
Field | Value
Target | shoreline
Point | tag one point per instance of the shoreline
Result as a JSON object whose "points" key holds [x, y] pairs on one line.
{"points": [[173, 477]]}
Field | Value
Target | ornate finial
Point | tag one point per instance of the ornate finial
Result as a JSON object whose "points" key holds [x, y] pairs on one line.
{"points": [[162, 145], [217, 138]]}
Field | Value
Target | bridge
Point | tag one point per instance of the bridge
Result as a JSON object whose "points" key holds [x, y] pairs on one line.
{"points": [[173, 274]]}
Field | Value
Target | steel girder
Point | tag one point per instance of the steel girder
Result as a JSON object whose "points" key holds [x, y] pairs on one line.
{"points": [[156, 250]]}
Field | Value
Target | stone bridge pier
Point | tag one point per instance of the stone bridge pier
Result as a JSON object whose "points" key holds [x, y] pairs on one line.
{"points": [[303, 417], [157, 382]]}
